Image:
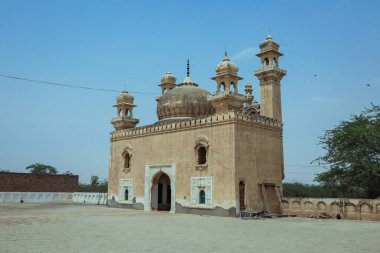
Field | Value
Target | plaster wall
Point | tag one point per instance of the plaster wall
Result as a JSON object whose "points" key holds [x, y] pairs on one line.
{"points": [[35, 197], [353, 209], [270, 99], [177, 147], [258, 153]]}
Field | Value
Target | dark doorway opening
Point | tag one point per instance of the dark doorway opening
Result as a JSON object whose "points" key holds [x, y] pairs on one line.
{"points": [[161, 193], [242, 195]]}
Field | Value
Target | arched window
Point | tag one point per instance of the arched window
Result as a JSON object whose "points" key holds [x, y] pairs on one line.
{"points": [[127, 160], [223, 85], [233, 85], [126, 194], [266, 62], [202, 153], [202, 197]]}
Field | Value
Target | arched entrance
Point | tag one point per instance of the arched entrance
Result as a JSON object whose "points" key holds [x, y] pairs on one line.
{"points": [[161, 192], [242, 195]]}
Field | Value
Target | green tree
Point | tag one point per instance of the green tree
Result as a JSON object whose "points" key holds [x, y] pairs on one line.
{"points": [[94, 186], [39, 168], [353, 156], [306, 191], [94, 181]]}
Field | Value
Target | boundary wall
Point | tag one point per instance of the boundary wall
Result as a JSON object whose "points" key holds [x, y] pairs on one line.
{"points": [[30, 182], [353, 209], [46, 197]]}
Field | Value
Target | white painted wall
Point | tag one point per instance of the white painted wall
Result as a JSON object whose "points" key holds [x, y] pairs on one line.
{"points": [[90, 197], [43, 197], [35, 197]]}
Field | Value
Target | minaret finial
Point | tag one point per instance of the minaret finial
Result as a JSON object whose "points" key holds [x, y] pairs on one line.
{"points": [[225, 55], [188, 68]]}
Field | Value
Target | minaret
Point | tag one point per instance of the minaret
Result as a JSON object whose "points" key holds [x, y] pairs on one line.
{"points": [[124, 106], [226, 77], [270, 76], [248, 94]]}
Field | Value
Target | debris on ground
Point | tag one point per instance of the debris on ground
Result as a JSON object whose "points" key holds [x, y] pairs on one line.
{"points": [[262, 214], [320, 216]]}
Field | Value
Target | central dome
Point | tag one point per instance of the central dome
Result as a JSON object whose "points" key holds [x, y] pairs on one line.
{"points": [[186, 101]]}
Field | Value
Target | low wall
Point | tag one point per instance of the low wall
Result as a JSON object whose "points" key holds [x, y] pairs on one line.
{"points": [[35, 197], [90, 197], [44, 197], [354, 209]]}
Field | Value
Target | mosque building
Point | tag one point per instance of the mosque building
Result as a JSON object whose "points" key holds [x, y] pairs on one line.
{"points": [[209, 153]]}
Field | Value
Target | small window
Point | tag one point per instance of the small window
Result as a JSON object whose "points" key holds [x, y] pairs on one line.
{"points": [[202, 155], [202, 197], [126, 194], [266, 61], [127, 160]]}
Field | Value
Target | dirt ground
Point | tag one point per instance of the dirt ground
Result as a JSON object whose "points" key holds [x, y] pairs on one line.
{"points": [[90, 228]]}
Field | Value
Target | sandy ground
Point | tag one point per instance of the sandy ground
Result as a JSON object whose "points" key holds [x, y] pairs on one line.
{"points": [[89, 228]]}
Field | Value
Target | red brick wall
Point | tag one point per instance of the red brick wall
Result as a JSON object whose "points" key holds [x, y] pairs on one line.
{"points": [[25, 182]]}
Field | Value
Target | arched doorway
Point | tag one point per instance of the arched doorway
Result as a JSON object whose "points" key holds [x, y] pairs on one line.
{"points": [[242, 195], [161, 192]]}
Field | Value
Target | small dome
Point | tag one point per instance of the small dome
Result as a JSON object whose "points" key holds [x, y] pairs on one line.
{"points": [[185, 101], [125, 97], [269, 42], [168, 78], [226, 65]]}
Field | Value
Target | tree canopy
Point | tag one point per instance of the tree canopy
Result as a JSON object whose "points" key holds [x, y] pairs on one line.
{"points": [[39, 168], [353, 156], [306, 191], [95, 185]]}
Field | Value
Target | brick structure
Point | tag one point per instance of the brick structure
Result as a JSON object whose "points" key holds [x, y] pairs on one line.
{"points": [[25, 182]]}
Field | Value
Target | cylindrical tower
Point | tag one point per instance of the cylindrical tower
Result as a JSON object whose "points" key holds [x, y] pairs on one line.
{"points": [[270, 76]]}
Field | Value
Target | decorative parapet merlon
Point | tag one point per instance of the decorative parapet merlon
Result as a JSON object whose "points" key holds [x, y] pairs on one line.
{"points": [[221, 118]]}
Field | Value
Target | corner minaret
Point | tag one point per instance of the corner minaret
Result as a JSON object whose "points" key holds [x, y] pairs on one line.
{"points": [[124, 106], [226, 77], [270, 76]]}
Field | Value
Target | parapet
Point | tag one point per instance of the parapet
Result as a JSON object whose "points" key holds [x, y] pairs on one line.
{"points": [[215, 119]]}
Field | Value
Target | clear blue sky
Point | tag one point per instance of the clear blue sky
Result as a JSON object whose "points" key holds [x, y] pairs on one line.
{"points": [[109, 44]]}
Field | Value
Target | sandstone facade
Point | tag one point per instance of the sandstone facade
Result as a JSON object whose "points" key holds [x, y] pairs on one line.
{"points": [[208, 153]]}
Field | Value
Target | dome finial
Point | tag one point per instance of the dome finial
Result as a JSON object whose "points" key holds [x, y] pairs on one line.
{"points": [[188, 80], [225, 55], [188, 68]]}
